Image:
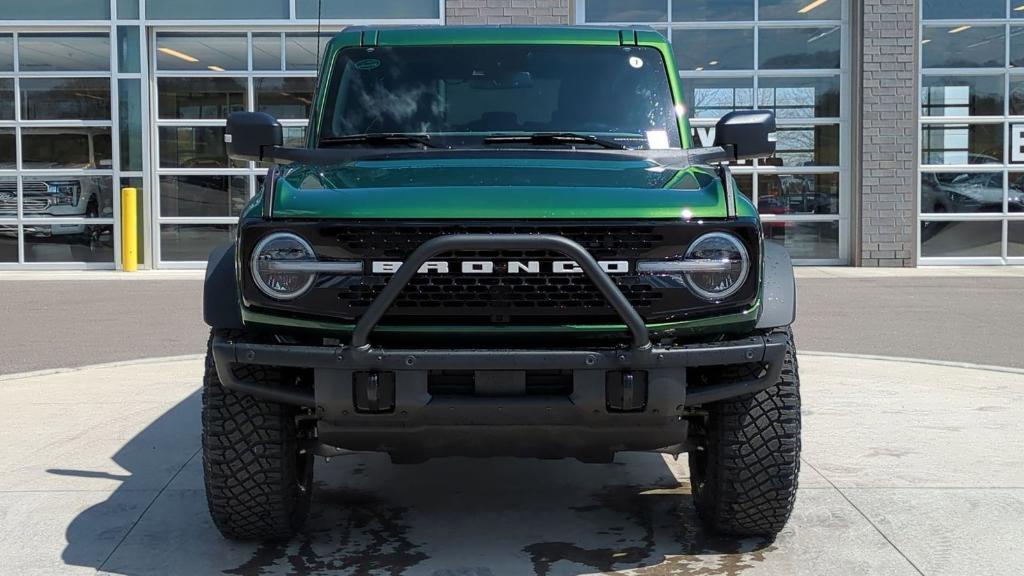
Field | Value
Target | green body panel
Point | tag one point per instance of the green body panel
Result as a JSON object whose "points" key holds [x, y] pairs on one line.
{"points": [[494, 188]]}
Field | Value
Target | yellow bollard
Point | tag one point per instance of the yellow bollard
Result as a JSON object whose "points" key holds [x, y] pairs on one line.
{"points": [[129, 233]]}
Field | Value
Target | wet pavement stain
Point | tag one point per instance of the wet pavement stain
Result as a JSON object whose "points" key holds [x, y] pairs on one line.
{"points": [[665, 537], [350, 531]]}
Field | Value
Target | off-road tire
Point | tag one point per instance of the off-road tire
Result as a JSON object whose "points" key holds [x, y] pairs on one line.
{"points": [[258, 485], [744, 475]]}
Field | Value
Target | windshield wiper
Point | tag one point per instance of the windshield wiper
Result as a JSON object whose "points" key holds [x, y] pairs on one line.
{"points": [[546, 138], [380, 139]]}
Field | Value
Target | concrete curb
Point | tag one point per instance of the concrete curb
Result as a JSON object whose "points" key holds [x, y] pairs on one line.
{"points": [[119, 364], [925, 361]]}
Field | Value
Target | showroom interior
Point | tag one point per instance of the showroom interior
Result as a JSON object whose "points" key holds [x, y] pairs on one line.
{"points": [[898, 140]]}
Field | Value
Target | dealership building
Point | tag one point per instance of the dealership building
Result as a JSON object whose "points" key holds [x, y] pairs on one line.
{"points": [[901, 122]]}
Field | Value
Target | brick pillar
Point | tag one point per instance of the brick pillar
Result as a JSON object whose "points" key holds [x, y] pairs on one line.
{"points": [[889, 141], [506, 11]]}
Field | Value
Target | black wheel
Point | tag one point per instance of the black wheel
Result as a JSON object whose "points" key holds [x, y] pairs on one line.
{"points": [[744, 473], [258, 481]]}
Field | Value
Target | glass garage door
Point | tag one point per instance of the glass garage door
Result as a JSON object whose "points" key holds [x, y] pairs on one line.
{"points": [[971, 187], [201, 78], [789, 56], [56, 163]]}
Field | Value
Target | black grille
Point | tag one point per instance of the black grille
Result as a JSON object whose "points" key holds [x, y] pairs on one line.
{"points": [[400, 241], [502, 297]]}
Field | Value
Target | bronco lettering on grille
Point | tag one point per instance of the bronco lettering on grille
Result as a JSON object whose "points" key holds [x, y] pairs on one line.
{"points": [[510, 267]]}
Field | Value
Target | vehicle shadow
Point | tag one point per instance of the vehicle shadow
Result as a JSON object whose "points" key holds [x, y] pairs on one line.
{"points": [[445, 517]]}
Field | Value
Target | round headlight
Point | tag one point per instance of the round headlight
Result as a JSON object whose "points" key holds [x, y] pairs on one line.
{"points": [[721, 281], [277, 266]]}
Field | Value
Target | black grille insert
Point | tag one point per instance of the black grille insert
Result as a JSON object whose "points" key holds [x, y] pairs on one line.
{"points": [[463, 383]]}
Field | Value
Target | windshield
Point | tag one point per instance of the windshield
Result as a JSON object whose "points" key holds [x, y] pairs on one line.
{"points": [[460, 94]]}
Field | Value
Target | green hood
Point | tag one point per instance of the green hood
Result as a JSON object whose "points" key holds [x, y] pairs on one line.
{"points": [[498, 187]]}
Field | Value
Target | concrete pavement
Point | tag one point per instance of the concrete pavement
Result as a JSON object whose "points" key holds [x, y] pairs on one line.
{"points": [[908, 468]]}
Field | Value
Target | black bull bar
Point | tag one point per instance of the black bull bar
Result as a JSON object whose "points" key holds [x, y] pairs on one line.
{"points": [[335, 366]]}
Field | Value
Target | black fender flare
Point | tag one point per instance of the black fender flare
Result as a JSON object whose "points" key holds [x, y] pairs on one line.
{"points": [[221, 309], [778, 303]]}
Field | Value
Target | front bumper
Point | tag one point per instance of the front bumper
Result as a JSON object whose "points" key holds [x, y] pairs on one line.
{"points": [[607, 400], [415, 424]]}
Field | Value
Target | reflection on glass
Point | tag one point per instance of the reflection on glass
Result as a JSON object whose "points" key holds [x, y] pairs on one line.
{"points": [[963, 46], [128, 9], [798, 194], [79, 148], [194, 147], [200, 98], [806, 146], [800, 97], [6, 52], [784, 48], [9, 199], [127, 49], [217, 9], [961, 239], [962, 96], [962, 143], [201, 196], [67, 197], [715, 97], [700, 50], [188, 51], [65, 99], [1017, 46], [1015, 239], [288, 98], [721, 10], [301, 50], [69, 243], [52, 52], [745, 185], [130, 113], [266, 51], [962, 192], [1016, 96], [8, 151], [48, 10], [632, 11], [371, 10], [295, 136], [805, 240], [1015, 192], [8, 240], [193, 242], [6, 98], [800, 9], [959, 9]]}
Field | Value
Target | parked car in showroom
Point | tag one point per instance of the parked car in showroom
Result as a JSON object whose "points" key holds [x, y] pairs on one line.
{"points": [[62, 196]]}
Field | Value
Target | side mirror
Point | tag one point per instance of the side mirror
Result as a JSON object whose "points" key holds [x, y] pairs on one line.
{"points": [[252, 135], [750, 133]]}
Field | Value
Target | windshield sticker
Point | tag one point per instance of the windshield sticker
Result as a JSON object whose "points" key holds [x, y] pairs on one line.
{"points": [[368, 64], [636, 62], [657, 139]]}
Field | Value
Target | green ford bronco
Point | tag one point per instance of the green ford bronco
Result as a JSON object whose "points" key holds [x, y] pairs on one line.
{"points": [[499, 241]]}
